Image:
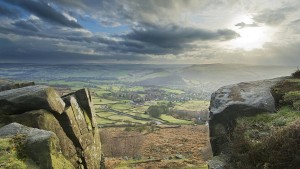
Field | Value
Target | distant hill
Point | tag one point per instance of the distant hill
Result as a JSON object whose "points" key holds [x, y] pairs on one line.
{"points": [[202, 78]]}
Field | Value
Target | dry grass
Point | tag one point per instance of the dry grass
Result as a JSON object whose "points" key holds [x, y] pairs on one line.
{"points": [[191, 142]]}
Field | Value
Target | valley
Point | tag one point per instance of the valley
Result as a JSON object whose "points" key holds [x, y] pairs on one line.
{"points": [[126, 98]]}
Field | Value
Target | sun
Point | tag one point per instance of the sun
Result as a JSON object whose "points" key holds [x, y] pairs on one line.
{"points": [[252, 35]]}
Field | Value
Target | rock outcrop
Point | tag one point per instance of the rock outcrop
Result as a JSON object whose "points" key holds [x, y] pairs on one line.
{"points": [[70, 120], [230, 102], [42, 146]]}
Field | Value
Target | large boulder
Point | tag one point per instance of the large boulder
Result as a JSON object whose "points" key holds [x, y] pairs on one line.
{"points": [[41, 146], [43, 119], [255, 94], [28, 98], [232, 101]]}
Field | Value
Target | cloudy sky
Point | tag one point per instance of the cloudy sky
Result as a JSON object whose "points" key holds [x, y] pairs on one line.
{"points": [[150, 31]]}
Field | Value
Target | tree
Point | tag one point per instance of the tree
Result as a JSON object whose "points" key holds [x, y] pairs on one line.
{"points": [[156, 110]]}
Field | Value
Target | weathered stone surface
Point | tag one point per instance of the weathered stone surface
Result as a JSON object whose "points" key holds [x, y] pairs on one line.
{"points": [[84, 98], [41, 146], [42, 119], [68, 121], [78, 120], [249, 94], [232, 101], [28, 98], [78, 113], [71, 118]]}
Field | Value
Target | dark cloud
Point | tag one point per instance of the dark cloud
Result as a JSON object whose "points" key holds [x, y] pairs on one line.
{"points": [[42, 52], [43, 10], [26, 25], [40, 30], [273, 17], [8, 11], [173, 36], [242, 25]]}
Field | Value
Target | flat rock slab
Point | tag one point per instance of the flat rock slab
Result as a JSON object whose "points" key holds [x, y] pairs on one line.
{"points": [[28, 98]]}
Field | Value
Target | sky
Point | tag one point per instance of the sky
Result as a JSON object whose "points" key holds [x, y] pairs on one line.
{"points": [[150, 31]]}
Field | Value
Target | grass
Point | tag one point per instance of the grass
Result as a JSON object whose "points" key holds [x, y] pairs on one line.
{"points": [[205, 166], [136, 88], [104, 121], [270, 140], [11, 153], [140, 109], [173, 120], [174, 91], [276, 150], [139, 115], [121, 106], [286, 114], [127, 119], [193, 105], [105, 114], [168, 164], [103, 101], [101, 92]]}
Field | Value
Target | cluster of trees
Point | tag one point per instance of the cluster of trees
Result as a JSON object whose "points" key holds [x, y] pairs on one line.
{"points": [[162, 108]]}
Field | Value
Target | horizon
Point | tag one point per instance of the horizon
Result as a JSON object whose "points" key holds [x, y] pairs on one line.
{"points": [[150, 32], [189, 64]]}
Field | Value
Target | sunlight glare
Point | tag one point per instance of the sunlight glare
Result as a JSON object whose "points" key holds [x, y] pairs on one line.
{"points": [[251, 37]]}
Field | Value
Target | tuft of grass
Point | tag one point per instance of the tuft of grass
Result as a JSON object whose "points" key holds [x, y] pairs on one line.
{"points": [[296, 74], [293, 98], [285, 116]]}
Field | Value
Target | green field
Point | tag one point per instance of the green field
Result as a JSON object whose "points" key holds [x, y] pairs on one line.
{"points": [[108, 106], [173, 120], [193, 105], [101, 92], [126, 119], [103, 101], [173, 91], [103, 121], [119, 106]]}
